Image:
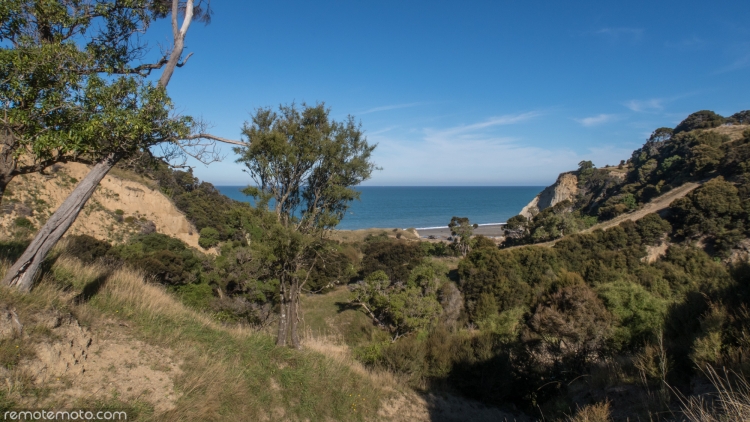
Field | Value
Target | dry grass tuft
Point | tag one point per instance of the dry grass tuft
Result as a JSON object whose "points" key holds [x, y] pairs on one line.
{"points": [[731, 402], [341, 355], [598, 412]]}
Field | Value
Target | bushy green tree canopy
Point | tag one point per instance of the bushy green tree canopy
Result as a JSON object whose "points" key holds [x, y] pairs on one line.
{"points": [[60, 96], [305, 163], [305, 166]]}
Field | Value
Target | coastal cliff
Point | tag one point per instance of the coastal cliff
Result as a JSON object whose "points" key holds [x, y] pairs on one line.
{"points": [[566, 187]]}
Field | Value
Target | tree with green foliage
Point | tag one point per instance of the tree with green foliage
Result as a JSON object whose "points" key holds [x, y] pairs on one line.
{"points": [[69, 90], [304, 166], [396, 259], [402, 308], [585, 168], [704, 119], [462, 230], [67, 99]]}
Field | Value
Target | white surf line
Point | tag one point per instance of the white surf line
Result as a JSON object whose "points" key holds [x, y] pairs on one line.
{"points": [[445, 227]]}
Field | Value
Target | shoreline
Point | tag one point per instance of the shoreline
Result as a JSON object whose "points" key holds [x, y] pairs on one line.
{"points": [[491, 230], [443, 233]]}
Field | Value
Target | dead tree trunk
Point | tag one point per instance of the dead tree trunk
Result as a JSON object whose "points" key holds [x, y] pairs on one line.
{"points": [[23, 273]]}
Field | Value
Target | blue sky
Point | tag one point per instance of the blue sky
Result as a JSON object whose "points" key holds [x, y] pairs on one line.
{"points": [[470, 92]]}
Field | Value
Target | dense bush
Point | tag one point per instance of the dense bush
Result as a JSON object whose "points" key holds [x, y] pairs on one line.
{"points": [[86, 248], [402, 306], [209, 237], [547, 314], [704, 119], [167, 259], [396, 259], [714, 210]]}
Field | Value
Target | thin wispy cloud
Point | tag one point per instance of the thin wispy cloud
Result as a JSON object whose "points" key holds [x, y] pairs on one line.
{"points": [[434, 160], [650, 105], [389, 107], [742, 59], [657, 105], [508, 119], [687, 44], [479, 153], [596, 120], [381, 131], [621, 33]]}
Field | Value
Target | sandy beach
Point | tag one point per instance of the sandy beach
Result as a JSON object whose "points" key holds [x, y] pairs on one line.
{"points": [[489, 230]]}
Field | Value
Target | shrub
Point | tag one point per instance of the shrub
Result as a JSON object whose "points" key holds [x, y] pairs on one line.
{"points": [[209, 237], [198, 295], [24, 223], [480, 241], [571, 324], [395, 258], [166, 258], [86, 248], [652, 228], [638, 313]]}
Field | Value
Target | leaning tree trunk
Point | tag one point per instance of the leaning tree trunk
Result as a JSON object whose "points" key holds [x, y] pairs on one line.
{"points": [[24, 271]]}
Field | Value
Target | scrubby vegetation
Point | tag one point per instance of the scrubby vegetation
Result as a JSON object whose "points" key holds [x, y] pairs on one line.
{"points": [[694, 151], [604, 324], [641, 308]]}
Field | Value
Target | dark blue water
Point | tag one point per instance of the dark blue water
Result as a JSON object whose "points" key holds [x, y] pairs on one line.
{"points": [[426, 206]]}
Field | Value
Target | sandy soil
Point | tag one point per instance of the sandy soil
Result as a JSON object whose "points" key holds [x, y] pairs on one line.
{"points": [[43, 193], [81, 363]]}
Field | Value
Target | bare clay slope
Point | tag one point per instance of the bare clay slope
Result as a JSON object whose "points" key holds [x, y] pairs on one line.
{"points": [[37, 196]]}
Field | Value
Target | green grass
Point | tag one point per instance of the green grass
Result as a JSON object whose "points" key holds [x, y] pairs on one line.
{"points": [[330, 315]]}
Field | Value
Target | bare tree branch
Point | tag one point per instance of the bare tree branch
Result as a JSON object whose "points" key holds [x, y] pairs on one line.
{"points": [[217, 138]]}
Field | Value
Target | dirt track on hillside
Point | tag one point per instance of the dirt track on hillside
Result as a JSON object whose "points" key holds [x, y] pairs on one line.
{"points": [[658, 204]]}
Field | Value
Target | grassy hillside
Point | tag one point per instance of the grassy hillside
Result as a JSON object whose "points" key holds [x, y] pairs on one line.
{"points": [[214, 372]]}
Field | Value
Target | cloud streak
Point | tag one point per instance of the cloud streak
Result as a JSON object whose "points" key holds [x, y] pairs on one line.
{"points": [[596, 120], [389, 107], [471, 129], [640, 106], [740, 63], [632, 34]]}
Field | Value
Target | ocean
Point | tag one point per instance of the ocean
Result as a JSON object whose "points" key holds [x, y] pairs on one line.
{"points": [[426, 206]]}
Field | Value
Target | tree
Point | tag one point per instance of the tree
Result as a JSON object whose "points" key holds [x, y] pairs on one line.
{"points": [[517, 226], [54, 63], [401, 307], [461, 230], [585, 168], [704, 119], [129, 114], [307, 165]]}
